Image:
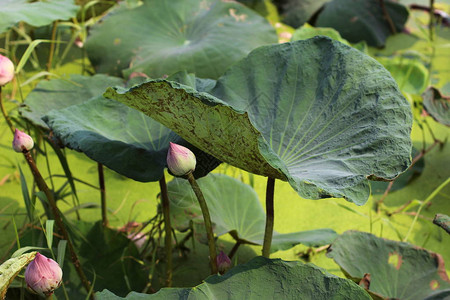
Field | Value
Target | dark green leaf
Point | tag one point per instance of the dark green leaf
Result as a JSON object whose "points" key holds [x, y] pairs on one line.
{"points": [[261, 278], [235, 209], [317, 113], [60, 93], [166, 36], [358, 20], [38, 13], [398, 270], [437, 105], [297, 12]]}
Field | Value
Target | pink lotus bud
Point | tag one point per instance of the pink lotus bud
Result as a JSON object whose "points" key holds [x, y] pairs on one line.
{"points": [[6, 70], [180, 160], [223, 262], [43, 275], [22, 141]]}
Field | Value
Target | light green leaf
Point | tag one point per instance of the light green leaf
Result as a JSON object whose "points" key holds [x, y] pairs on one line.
{"points": [[261, 278], [234, 209], [162, 37], [317, 113]]}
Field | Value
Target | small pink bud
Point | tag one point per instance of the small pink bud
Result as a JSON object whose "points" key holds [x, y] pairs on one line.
{"points": [[22, 141], [6, 70], [43, 275], [223, 262], [180, 160]]}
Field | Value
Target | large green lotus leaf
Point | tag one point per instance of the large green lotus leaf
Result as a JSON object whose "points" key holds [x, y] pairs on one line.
{"points": [[61, 93], [37, 13], [123, 139], [358, 20], [261, 278], [235, 209], [410, 73], [437, 105], [317, 113], [397, 270], [297, 12], [165, 36]]}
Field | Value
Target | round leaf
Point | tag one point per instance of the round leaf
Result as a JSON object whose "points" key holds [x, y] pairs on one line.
{"points": [[358, 20], [61, 93], [261, 278], [317, 113], [38, 13], [166, 36], [397, 270], [235, 209]]}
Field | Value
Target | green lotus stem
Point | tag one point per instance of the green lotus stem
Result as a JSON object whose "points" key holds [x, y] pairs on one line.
{"points": [[431, 25], [5, 113], [167, 228], [268, 233], [52, 48], [40, 182], [431, 196], [101, 180], [208, 224], [49, 297]]}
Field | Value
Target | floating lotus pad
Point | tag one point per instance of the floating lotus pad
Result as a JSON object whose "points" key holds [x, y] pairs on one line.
{"points": [[317, 113], [38, 13], [166, 36], [397, 270]]}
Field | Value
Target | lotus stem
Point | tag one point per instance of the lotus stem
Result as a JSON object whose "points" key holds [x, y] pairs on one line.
{"points": [[56, 214], [5, 113], [431, 25], [268, 233], [101, 180], [167, 228], [234, 249], [52, 48], [208, 224]]}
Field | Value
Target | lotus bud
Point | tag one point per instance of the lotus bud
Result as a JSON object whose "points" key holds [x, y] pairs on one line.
{"points": [[180, 160], [6, 70], [43, 275], [223, 262], [22, 141]]}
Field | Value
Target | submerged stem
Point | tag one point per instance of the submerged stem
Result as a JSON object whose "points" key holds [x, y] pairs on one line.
{"points": [[208, 224], [101, 180], [40, 182], [268, 233], [167, 228]]}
